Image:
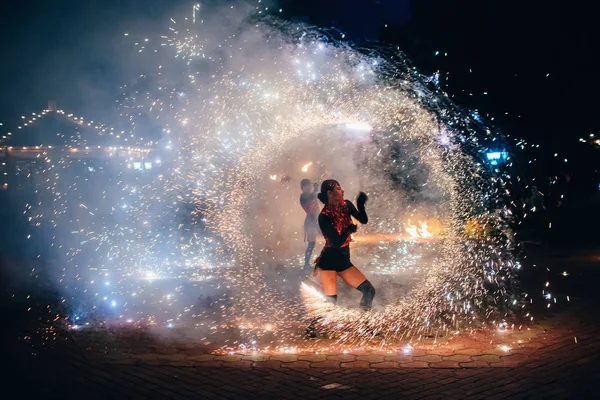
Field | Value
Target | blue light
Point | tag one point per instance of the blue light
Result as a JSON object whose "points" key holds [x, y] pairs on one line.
{"points": [[496, 157]]}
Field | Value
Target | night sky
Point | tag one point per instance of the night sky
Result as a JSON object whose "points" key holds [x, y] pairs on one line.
{"points": [[536, 62]]}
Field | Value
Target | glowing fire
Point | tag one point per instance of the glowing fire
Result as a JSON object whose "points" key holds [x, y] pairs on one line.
{"points": [[306, 167], [418, 232]]}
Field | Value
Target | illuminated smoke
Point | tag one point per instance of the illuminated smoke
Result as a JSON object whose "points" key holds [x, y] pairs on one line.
{"points": [[247, 107]]}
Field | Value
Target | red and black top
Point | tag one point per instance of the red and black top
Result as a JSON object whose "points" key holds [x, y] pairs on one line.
{"points": [[335, 220]]}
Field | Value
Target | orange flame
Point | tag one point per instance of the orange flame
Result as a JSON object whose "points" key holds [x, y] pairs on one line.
{"points": [[421, 231]]}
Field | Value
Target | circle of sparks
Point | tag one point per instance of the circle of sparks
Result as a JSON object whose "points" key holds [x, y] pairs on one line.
{"points": [[231, 104]]}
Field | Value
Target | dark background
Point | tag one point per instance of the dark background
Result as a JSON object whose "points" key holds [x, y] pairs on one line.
{"points": [[527, 67], [66, 50]]}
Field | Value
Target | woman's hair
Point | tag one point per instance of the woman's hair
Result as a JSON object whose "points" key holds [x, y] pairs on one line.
{"points": [[326, 186]]}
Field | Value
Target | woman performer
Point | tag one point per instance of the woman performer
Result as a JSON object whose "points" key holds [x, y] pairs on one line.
{"points": [[337, 227]]}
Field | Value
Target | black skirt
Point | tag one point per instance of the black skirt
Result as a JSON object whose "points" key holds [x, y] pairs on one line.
{"points": [[332, 259]]}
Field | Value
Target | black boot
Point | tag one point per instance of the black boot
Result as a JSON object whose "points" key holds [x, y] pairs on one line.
{"points": [[307, 254], [311, 331], [368, 292]]}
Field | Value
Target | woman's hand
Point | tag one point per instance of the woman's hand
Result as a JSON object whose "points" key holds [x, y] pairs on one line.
{"points": [[361, 199], [315, 271]]}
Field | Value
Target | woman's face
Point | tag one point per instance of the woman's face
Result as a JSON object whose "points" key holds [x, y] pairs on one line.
{"points": [[336, 196]]}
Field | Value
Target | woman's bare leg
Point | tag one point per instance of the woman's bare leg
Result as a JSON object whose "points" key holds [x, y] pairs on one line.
{"points": [[329, 282], [352, 276]]}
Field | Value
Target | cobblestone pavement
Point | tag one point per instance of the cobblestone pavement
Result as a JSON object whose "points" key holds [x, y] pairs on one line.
{"points": [[476, 350], [559, 357], [561, 362]]}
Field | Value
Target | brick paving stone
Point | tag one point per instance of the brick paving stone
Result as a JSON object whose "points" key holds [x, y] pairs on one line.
{"points": [[146, 356], [355, 364], [296, 364], [186, 346], [228, 358], [213, 363], [128, 361], [444, 364], [172, 357], [372, 358], [141, 384], [325, 364], [492, 379], [497, 396], [524, 350], [342, 357], [417, 392], [284, 358], [193, 352], [312, 357], [94, 355], [141, 350], [182, 364], [118, 356], [490, 358], [415, 364], [430, 393], [536, 364], [458, 357], [256, 357], [167, 351], [357, 351], [399, 358], [474, 364], [429, 358], [440, 351], [472, 351], [154, 362], [505, 364], [267, 364], [496, 352], [200, 357], [238, 364], [447, 380], [166, 375], [416, 352], [384, 364], [515, 357]]}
